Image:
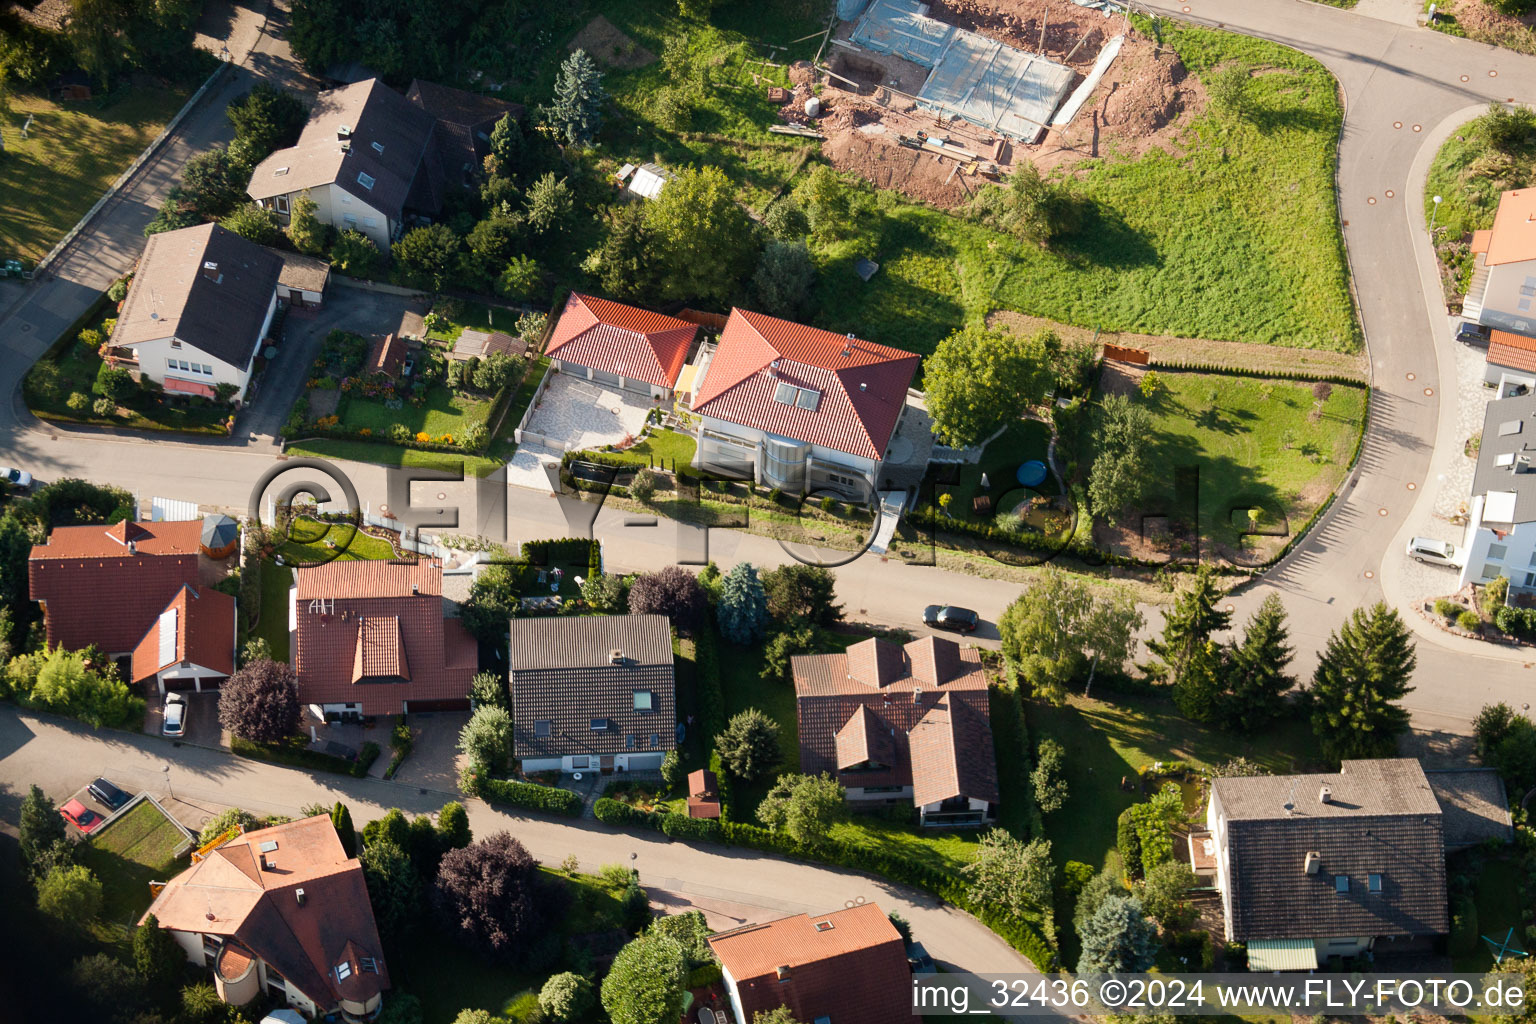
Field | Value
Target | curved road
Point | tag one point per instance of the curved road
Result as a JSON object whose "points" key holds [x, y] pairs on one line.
{"points": [[1389, 73]]}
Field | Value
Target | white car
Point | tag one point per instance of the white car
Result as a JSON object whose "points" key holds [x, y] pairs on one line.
{"points": [[1436, 552], [17, 478], [175, 715]]}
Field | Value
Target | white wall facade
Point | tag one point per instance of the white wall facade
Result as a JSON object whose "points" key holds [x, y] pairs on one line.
{"points": [[340, 209], [827, 469], [732, 994], [165, 357], [855, 793], [972, 804], [1509, 300], [1489, 555], [648, 761], [189, 671], [657, 393], [1216, 824]]}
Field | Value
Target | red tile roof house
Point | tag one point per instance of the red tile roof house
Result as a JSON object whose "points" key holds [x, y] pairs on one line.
{"points": [[105, 585], [901, 724], [846, 967], [281, 910], [190, 644], [592, 692], [199, 309], [621, 346], [370, 157], [799, 408], [371, 639]]}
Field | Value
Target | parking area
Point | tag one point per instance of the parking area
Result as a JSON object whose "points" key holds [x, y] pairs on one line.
{"points": [[202, 722], [433, 763], [573, 415], [100, 810]]}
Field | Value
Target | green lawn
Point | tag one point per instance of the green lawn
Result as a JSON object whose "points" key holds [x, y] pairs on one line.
{"points": [[1022, 441], [310, 542], [275, 581], [667, 448], [1106, 741], [1468, 173], [1235, 237], [133, 851], [1498, 910], [445, 412], [1255, 442], [71, 154], [381, 454]]}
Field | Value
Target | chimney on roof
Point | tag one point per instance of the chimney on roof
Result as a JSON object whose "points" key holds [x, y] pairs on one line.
{"points": [[343, 133], [133, 548], [1314, 862], [863, 386], [415, 589], [615, 657], [1325, 795], [268, 865], [783, 972], [298, 894]]}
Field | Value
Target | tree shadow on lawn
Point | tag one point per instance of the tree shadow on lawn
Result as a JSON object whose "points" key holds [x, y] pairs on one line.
{"points": [[1104, 239], [1222, 486], [1268, 120]]}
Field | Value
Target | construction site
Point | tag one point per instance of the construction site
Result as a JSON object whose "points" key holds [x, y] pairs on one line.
{"points": [[931, 99]]}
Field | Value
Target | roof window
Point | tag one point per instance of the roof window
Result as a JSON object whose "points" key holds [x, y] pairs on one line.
{"points": [[364, 179], [1341, 883], [599, 724], [343, 970], [655, 739], [541, 728], [1373, 883], [378, 147], [824, 926], [644, 700], [279, 172], [629, 740], [786, 393]]}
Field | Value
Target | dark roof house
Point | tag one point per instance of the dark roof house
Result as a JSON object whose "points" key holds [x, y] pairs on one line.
{"points": [[290, 897], [592, 685], [846, 967], [881, 717], [205, 287], [105, 585], [373, 634], [464, 123], [1355, 853]]}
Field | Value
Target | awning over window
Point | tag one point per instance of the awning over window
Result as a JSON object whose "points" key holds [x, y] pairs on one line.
{"points": [[1282, 955], [189, 387]]}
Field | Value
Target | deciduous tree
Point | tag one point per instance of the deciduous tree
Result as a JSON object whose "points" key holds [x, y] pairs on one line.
{"points": [[429, 254], [1058, 627], [260, 702], [1363, 672], [803, 806], [1120, 475], [305, 231], [71, 895], [486, 738], [354, 253], [566, 997], [254, 223], [979, 379], [490, 895], [671, 591], [704, 241], [783, 279], [1011, 875], [646, 983], [799, 591], [1049, 786], [394, 887]]}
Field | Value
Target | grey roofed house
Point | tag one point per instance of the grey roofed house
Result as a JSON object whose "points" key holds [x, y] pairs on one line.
{"points": [[204, 286], [302, 273], [592, 686], [464, 123], [360, 133], [1353, 854], [1506, 460]]}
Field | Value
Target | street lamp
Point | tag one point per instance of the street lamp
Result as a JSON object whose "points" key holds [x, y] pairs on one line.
{"points": [[633, 856], [1433, 214], [166, 768]]}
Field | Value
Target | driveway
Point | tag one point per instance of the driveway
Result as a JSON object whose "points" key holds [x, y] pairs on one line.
{"points": [[574, 415], [433, 763], [351, 309], [202, 722]]}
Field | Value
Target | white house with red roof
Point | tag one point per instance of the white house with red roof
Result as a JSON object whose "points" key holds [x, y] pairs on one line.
{"points": [[620, 346], [799, 408]]}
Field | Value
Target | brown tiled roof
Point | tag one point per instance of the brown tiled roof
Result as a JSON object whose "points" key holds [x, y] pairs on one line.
{"points": [[78, 565], [338, 601], [561, 673], [703, 794], [302, 273], [842, 715], [1512, 350], [862, 386], [464, 122], [219, 311], [1513, 238], [204, 621], [943, 745], [479, 344], [376, 114], [632, 342], [1382, 818], [386, 355], [228, 893], [849, 966], [234, 961]]}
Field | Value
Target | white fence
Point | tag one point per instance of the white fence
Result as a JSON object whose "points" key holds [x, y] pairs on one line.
{"points": [[524, 436]]}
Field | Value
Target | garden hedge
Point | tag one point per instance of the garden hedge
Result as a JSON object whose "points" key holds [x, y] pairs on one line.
{"points": [[613, 812], [1239, 371], [531, 796], [680, 826]]}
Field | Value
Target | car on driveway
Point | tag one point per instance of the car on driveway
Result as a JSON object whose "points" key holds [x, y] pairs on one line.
{"points": [[918, 960], [958, 620], [1436, 552], [108, 794], [1471, 334], [81, 816], [175, 715], [20, 479]]}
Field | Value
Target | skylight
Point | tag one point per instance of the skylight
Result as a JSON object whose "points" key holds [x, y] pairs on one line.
{"points": [[1341, 883], [1373, 882], [541, 728], [643, 700], [279, 172], [343, 970], [786, 393], [365, 180], [378, 147], [599, 724]]}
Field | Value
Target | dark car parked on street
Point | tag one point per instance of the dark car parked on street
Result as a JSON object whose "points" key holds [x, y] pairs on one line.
{"points": [[959, 620], [107, 793]]}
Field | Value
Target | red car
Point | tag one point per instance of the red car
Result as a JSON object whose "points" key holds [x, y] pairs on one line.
{"points": [[80, 816]]}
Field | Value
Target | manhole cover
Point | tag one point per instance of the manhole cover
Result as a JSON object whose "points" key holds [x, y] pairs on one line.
{"points": [[1390, 193], [1371, 200], [1397, 124], [441, 496], [1418, 127], [1413, 487], [1369, 575], [1493, 74], [1413, 376], [1429, 392], [1466, 78], [1381, 511]]}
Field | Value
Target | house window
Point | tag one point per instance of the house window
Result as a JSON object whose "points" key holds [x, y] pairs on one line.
{"points": [[1341, 883], [282, 204], [599, 725], [580, 761], [541, 729], [1496, 552], [175, 343], [1491, 569], [170, 364], [365, 180], [644, 700], [346, 200], [1530, 579], [350, 218], [370, 222], [655, 739], [1373, 883], [343, 970]]}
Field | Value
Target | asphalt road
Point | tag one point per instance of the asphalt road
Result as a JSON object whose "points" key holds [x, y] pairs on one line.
{"points": [[62, 756], [1393, 77]]}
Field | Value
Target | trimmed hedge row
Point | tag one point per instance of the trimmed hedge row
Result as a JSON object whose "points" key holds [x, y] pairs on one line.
{"points": [[302, 757], [530, 795], [562, 549], [1022, 935], [1010, 741], [1239, 371]]}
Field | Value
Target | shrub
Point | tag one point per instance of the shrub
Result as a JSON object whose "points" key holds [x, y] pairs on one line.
{"points": [[643, 487], [1447, 609], [78, 401], [260, 702], [680, 826], [612, 812], [531, 796], [104, 407], [1469, 621]]}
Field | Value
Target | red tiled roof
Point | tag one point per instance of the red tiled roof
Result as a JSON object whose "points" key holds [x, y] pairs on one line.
{"points": [[944, 747], [1512, 350], [634, 343], [847, 718], [234, 961], [402, 632], [205, 634], [93, 590], [229, 893], [1513, 237], [861, 393], [386, 355], [189, 387], [849, 965]]}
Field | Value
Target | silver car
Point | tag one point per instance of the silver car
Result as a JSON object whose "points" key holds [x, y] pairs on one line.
{"points": [[175, 715], [1436, 552]]}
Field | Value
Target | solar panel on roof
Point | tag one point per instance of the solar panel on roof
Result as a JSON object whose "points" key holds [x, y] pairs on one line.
{"points": [[1509, 427], [269, 846]]}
